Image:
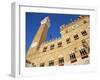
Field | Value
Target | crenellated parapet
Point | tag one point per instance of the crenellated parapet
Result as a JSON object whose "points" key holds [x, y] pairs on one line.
{"points": [[80, 21]]}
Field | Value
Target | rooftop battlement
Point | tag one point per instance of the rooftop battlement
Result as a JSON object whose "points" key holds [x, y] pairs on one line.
{"points": [[62, 27]]}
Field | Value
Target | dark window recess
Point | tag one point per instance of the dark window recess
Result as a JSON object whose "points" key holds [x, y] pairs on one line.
{"points": [[59, 44], [52, 47], [66, 31], [68, 40], [83, 53], [85, 45], [76, 37], [84, 21], [42, 64], [83, 41], [28, 62], [61, 61], [51, 63], [84, 33], [73, 58], [33, 65], [44, 49]]}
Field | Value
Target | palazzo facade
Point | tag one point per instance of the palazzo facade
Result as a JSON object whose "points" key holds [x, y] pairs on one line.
{"points": [[72, 48]]}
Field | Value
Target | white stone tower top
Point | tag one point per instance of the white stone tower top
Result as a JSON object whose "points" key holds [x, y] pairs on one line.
{"points": [[46, 20]]}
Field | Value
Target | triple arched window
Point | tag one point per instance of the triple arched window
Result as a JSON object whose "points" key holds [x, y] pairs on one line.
{"points": [[72, 57], [83, 53]]}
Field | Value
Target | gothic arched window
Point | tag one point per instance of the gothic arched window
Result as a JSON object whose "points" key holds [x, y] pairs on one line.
{"points": [[84, 33], [61, 61], [73, 58], [51, 63], [42, 64]]}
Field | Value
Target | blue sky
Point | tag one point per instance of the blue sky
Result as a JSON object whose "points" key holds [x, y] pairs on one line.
{"points": [[56, 20]]}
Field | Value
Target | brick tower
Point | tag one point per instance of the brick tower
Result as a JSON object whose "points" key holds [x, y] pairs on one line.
{"points": [[39, 38]]}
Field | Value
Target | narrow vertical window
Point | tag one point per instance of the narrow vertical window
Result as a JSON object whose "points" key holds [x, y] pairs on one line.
{"points": [[68, 40], [52, 47]]}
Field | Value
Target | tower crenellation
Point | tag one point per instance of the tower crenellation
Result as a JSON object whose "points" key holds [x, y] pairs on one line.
{"points": [[46, 21]]}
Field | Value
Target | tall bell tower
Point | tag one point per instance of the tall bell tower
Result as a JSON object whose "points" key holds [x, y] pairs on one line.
{"points": [[39, 38]]}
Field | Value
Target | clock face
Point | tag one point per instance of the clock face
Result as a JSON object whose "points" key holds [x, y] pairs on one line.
{"points": [[34, 44]]}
